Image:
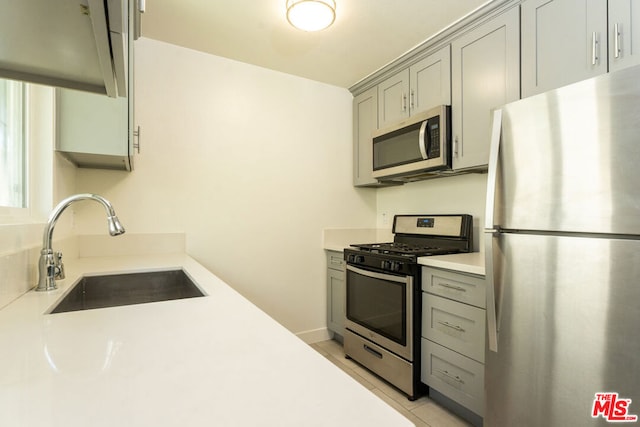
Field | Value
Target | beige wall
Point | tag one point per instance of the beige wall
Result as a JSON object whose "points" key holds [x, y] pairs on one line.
{"points": [[250, 163]]}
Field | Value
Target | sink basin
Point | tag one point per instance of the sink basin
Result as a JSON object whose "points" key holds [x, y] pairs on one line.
{"points": [[127, 289]]}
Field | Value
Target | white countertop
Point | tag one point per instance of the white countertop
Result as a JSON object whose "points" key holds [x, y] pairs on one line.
{"points": [[472, 262], [216, 360], [337, 239]]}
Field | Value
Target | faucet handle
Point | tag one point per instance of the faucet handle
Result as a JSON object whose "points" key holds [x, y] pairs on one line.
{"points": [[59, 266]]}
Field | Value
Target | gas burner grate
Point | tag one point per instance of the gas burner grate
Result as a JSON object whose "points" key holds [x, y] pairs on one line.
{"points": [[401, 248]]}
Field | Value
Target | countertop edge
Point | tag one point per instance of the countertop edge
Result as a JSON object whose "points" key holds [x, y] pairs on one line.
{"points": [[472, 263]]}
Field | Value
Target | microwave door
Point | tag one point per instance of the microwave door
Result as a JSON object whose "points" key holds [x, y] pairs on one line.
{"points": [[413, 147], [400, 148]]}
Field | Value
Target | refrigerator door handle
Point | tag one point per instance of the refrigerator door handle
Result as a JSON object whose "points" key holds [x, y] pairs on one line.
{"points": [[496, 129], [492, 318], [492, 231]]}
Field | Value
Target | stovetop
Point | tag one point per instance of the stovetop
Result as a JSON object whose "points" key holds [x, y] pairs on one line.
{"points": [[414, 236], [401, 248]]}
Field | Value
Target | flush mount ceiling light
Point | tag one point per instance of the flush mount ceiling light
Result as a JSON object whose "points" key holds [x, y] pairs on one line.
{"points": [[311, 15]]}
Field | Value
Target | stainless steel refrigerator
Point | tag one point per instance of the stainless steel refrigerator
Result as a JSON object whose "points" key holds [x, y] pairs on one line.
{"points": [[562, 247]]}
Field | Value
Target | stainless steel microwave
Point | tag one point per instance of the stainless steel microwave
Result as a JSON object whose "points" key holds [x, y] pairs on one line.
{"points": [[417, 145]]}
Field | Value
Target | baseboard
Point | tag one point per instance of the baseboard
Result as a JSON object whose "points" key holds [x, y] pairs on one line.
{"points": [[314, 335]]}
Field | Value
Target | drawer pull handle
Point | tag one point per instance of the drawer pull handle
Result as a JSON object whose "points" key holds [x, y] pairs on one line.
{"points": [[372, 351], [449, 325], [453, 377], [457, 288]]}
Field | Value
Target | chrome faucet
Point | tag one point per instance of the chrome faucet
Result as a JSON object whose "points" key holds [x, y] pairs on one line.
{"points": [[50, 267]]}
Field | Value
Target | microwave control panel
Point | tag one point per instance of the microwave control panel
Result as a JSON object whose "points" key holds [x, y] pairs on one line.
{"points": [[433, 137]]}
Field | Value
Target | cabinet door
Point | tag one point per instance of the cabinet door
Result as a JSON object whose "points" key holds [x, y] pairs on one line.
{"points": [[96, 131], [430, 81], [624, 34], [365, 116], [485, 68], [454, 375], [92, 129], [335, 301], [133, 133], [563, 41], [393, 103]]}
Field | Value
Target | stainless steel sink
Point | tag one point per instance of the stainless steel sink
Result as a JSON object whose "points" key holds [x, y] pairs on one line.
{"points": [[127, 289]]}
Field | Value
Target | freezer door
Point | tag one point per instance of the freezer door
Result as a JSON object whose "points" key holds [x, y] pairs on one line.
{"points": [[568, 317], [568, 159]]}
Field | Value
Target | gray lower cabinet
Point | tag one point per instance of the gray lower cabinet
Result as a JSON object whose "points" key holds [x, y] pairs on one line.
{"points": [[485, 70], [453, 336], [335, 292]]}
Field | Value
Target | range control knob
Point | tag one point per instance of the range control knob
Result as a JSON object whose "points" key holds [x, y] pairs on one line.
{"points": [[359, 258], [385, 265]]}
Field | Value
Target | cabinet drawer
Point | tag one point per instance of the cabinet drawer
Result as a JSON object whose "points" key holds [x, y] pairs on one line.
{"points": [[459, 378], [457, 326], [335, 260], [460, 287]]}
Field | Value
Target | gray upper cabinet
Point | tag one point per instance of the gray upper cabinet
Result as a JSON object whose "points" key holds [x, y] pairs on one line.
{"points": [[485, 69], [624, 33], [92, 130], [430, 81], [563, 41], [365, 121], [473, 66], [65, 43], [393, 99], [96, 131], [423, 85]]}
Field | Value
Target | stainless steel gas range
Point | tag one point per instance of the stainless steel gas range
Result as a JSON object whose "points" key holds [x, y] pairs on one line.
{"points": [[383, 301]]}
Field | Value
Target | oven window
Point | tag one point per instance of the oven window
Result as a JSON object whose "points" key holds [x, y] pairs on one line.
{"points": [[378, 305]]}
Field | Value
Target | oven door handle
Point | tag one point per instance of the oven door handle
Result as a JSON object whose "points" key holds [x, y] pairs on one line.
{"points": [[381, 276]]}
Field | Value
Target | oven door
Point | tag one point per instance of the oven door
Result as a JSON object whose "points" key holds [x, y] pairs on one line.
{"points": [[379, 307]]}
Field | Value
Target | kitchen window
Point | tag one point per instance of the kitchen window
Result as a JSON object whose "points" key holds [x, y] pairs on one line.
{"points": [[13, 164]]}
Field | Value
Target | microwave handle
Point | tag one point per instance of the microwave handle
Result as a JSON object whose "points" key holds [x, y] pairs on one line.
{"points": [[422, 140]]}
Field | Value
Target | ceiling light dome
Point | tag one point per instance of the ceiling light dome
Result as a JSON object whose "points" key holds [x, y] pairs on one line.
{"points": [[311, 15]]}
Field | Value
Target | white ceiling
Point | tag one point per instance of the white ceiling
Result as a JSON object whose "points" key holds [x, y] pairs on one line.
{"points": [[366, 35]]}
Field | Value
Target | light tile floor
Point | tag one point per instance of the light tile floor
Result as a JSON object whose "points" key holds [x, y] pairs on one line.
{"points": [[423, 412]]}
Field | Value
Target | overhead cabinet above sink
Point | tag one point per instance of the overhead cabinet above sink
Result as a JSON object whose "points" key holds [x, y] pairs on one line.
{"points": [[95, 131], [77, 44]]}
